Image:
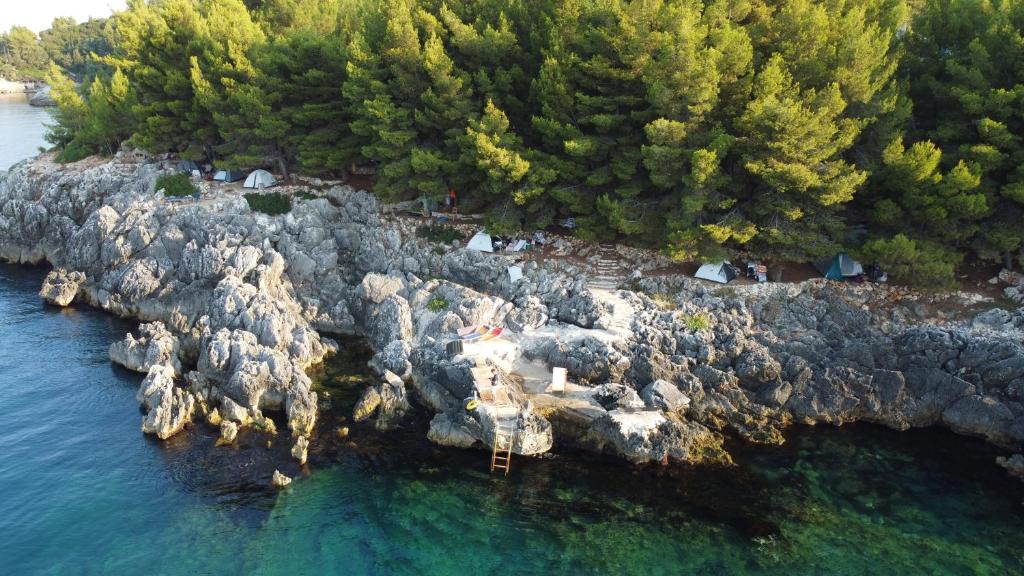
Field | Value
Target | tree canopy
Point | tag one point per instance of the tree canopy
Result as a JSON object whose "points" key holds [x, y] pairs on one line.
{"points": [[703, 127]]}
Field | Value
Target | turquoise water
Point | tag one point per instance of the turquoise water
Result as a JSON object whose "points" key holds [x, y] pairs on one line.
{"points": [[82, 491]]}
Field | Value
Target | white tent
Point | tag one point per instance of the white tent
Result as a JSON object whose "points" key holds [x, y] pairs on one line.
{"points": [[721, 272], [481, 241], [259, 179]]}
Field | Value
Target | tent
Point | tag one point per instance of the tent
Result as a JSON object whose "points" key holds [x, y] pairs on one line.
{"points": [[188, 167], [721, 272], [481, 241], [228, 175], [259, 179], [840, 267]]}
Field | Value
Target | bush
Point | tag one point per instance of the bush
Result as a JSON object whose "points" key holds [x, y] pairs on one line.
{"points": [[437, 304], [664, 301], [912, 262], [306, 195], [442, 234], [175, 185], [697, 322], [73, 152], [273, 204]]}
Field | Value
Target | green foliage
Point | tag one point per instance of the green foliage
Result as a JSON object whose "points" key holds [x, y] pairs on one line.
{"points": [[702, 127], [912, 262], [22, 57], [439, 234], [175, 185], [273, 204], [437, 304], [697, 322]]}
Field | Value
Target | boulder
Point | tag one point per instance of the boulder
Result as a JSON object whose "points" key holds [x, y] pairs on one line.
{"points": [[228, 431], [1014, 465], [300, 450], [617, 396], [279, 480], [60, 287], [663, 395]]}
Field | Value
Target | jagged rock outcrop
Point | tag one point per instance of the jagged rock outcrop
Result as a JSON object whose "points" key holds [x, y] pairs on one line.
{"points": [[154, 346], [235, 300]]}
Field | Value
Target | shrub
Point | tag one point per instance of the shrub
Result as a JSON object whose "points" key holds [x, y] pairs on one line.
{"points": [[306, 195], [437, 304], [442, 234], [273, 204], [175, 185], [912, 262], [697, 322], [73, 152]]}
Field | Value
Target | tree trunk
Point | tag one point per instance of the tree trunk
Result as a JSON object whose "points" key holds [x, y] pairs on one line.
{"points": [[1008, 259], [284, 169]]}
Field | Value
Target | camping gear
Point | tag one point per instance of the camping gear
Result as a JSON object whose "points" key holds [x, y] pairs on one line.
{"points": [[228, 175], [558, 379], [454, 348], [515, 273], [189, 167], [259, 179], [492, 334], [481, 242], [839, 267], [474, 333], [721, 272]]}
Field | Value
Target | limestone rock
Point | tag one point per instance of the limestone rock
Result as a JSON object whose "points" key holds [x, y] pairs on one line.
{"points": [[300, 450], [279, 480], [61, 286], [168, 407], [155, 345], [1014, 465], [228, 431], [663, 395]]}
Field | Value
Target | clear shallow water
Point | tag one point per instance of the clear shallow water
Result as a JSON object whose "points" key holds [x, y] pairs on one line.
{"points": [[21, 129], [82, 491]]}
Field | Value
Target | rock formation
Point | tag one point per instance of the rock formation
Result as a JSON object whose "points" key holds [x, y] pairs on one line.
{"points": [[234, 303]]}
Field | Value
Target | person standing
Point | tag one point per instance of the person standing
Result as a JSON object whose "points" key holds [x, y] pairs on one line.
{"points": [[451, 199]]}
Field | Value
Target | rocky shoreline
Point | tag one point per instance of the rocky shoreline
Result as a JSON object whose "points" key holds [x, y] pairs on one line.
{"points": [[234, 304]]}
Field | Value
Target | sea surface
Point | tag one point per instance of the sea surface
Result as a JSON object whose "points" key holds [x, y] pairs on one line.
{"points": [[83, 491], [22, 128]]}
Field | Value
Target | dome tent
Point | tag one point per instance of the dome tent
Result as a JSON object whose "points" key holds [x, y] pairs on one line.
{"points": [[721, 272], [259, 179], [840, 267], [228, 175]]}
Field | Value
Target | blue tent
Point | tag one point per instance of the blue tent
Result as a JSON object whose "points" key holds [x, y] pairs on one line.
{"points": [[840, 267]]}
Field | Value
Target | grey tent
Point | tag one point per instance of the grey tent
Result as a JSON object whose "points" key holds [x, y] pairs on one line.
{"points": [[839, 267], [721, 272], [188, 167], [228, 175]]}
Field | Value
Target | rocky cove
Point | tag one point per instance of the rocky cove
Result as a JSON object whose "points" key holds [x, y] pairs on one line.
{"points": [[238, 305]]}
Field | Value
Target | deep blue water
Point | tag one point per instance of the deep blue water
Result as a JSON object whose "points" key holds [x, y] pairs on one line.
{"points": [[82, 491]]}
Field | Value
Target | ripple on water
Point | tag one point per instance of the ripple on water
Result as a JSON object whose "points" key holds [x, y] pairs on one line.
{"points": [[84, 492]]}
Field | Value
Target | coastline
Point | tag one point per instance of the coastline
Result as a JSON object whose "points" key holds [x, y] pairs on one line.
{"points": [[241, 300]]}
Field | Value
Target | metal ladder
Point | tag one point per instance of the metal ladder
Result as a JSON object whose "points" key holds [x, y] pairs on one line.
{"points": [[504, 437]]}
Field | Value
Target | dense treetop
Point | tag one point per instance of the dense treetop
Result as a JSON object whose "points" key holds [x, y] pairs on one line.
{"points": [[704, 127]]}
